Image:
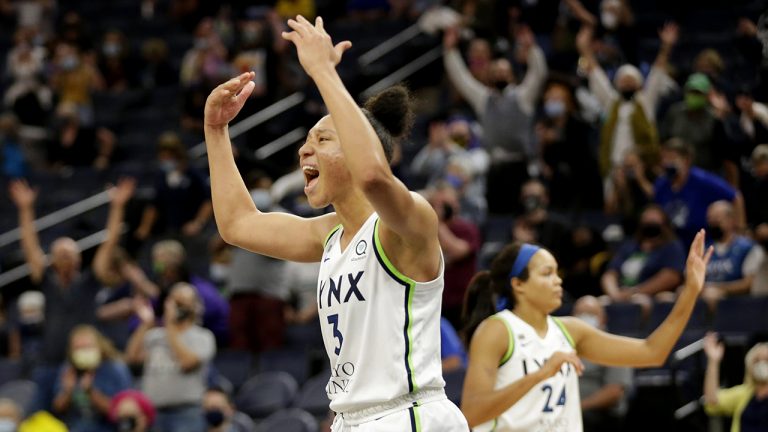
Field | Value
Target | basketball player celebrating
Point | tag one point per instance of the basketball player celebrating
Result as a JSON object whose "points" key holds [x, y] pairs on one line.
{"points": [[523, 364], [381, 274]]}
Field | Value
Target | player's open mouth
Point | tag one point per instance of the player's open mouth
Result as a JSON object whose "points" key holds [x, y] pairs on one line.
{"points": [[311, 174]]}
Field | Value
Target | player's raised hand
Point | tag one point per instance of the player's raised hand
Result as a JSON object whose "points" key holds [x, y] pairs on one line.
{"points": [[314, 46], [226, 100], [696, 265]]}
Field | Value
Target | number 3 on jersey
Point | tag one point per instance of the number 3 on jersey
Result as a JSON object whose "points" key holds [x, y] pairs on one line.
{"points": [[548, 390], [334, 320]]}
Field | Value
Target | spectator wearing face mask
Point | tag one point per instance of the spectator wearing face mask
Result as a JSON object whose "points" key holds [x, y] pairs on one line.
{"points": [[734, 263], [27, 328], [629, 104], [182, 201], [74, 79], [603, 390], [10, 415], [132, 411], [697, 121], [505, 109], [746, 403], [92, 375], [650, 263], [569, 164], [176, 358], [760, 284], [537, 224], [756, 189], [685, 191], [221, 415]]}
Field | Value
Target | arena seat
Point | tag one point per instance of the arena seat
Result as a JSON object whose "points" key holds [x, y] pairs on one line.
{"points": [[312, 396], [266, 393], [289, 420]]}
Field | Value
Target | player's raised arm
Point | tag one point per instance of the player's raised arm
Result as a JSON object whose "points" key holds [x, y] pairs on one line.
{"points": [[239, 221], [593, 344], [406, 214]]}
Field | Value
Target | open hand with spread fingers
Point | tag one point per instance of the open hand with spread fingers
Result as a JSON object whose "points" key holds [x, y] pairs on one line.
{"points": [[314, 46]]}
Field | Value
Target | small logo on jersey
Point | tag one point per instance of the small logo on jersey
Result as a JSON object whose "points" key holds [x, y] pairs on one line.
{"points": [[361, 247], [326, 259]]}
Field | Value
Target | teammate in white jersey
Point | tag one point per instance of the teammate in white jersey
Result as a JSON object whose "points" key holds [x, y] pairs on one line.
{"points": [[523, 363], [381, 277]]}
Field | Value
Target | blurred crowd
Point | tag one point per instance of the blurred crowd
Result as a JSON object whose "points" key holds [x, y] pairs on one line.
{"points": [[606, 136]]}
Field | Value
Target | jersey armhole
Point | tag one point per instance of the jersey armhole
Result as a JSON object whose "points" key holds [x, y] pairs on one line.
{"points": [[510, 344], [330, 234], [565, 331]]}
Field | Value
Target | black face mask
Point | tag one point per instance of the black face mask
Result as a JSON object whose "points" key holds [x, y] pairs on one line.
{"points": [[650, 230], [215, 418], [627, 95], [715, 232], [500, 85], [126, 424], [532, 203], [183, 313], [671, 171]]}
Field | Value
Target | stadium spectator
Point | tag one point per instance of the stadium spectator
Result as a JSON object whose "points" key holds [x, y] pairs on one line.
{"points": [[537, 224], [74, 79], [176, 358], [650, 263], [629, 190], [75, 144], [116, 63], [756, 190], [182, 198], [87, 382], [14, 163], [132, 411], [27, 95], [505, 109], [460, 242], [26, 336], [603, 390], [157, 70], [569, 163], [629, 105], [760, 284], [221, 415], [686, 191], [10, 415], [257, 290], [169, 267], [431, 161], [69, 290], [751, 121], [698, 120], [733, 266], [746, 403]]}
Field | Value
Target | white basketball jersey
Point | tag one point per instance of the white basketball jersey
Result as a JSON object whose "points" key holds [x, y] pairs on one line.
{"points": [[552, 405], [381, 329]]}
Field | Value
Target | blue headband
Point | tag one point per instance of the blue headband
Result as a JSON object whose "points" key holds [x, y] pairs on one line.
{"points": [[523, 257]]}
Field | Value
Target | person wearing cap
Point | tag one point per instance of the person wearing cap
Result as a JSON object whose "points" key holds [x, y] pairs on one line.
{"points": [[756, 189], [698, 120], [685, 191], [630, 103], [132, 411]]}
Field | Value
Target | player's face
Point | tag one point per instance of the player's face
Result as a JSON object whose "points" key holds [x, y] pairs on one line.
{"points": [[323, 164], [543, 289]]}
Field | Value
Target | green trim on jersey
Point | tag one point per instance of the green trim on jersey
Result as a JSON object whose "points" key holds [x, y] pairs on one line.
{"points": [[511, 344], [410, 286], [332, 232], [565, 331]]}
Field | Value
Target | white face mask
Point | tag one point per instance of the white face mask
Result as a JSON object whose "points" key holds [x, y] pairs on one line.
{"points": [[7, 425], [760, 371], [610, 20], [590, 319], [86, 358]]}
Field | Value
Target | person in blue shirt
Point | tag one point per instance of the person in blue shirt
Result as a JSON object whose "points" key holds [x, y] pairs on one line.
{"points": [[685, 191], [452, 352], [650, 263], [736, 259]]}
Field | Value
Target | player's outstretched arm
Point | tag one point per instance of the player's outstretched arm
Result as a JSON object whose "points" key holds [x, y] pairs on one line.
{"points": [[407, 215], [480, 400], [240, 223], [611, 350]]}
